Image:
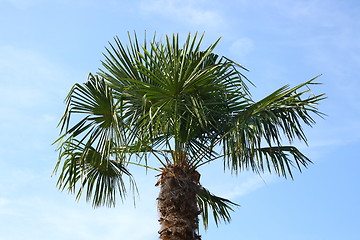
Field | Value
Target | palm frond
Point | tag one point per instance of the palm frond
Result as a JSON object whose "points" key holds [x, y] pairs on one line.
{"points": [[255, 140], [88, 148], [94, 101], [85, 169], [218, 206]]}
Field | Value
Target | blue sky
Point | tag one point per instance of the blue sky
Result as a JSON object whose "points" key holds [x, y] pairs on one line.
{"points": [[47, 46]]}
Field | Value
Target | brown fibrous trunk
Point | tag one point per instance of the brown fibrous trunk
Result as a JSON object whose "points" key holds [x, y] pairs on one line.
{"points": [[177, 204]]}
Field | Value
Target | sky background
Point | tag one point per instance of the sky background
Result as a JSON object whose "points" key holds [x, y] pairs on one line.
{"points": [[47, 46]]}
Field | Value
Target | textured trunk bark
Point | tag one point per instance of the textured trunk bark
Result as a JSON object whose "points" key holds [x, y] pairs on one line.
{"points": [[177, 204]]}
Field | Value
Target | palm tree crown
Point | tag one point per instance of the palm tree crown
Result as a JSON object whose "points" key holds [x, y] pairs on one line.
{"points": [[184, 106]]}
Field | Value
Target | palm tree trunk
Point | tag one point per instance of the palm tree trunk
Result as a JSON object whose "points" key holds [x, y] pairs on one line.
{"points": [[177, 204]]}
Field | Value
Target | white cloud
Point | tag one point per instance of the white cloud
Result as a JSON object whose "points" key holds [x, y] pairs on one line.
{"points": [[31, 102], [185, 11], [295, 9], [40, 211], [26, 4], [233, 186], [249, 185], [4, 207], [107, 224], [241, 47], [29, 83], [21, 3], [324, 13], [25, 66]]}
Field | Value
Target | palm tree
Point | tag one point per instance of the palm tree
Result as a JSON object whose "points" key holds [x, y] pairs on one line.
{"points": [[173, 108]]}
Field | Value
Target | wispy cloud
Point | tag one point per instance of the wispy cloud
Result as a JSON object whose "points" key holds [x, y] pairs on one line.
{"points": [[26, 75], [188, 11], [250, 184], [4, 207], [29, 82], [41, 212], [26, 4], [73, 221], [21, 3], [31, 101], [242, 47], [106, 224]]}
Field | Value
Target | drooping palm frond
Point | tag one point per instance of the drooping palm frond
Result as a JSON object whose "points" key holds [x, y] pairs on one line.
{"points": [[86, 169], [88, 150], [255, 140], [101, 120], [218, 206]]}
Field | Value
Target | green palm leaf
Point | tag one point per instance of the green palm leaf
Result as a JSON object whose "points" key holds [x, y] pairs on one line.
{"points": [[93, 161], [219, 207], [280, 114], [86, 169]]}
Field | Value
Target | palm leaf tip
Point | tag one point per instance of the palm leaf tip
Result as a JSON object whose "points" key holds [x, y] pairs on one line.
{"points": [[220, 207], [278, 160]]}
